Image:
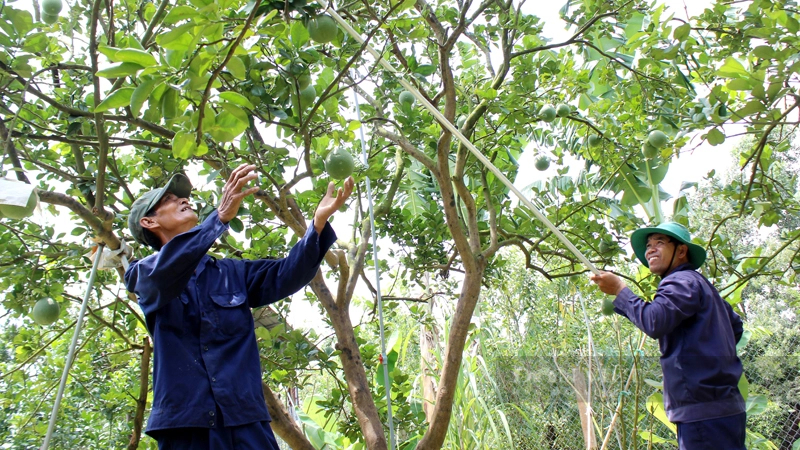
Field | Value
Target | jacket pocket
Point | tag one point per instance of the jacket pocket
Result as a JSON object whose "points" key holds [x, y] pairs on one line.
{"points": [[233, 314]]}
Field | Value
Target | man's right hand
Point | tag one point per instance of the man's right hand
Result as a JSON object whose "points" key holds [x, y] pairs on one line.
{"points": [[608, 283], [233, 193]]}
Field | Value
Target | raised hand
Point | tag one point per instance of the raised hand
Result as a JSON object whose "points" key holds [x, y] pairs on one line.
{"points": [[330, 203], [608, 283], [233, 193]]}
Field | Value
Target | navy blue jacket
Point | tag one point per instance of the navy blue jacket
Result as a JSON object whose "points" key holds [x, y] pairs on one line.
{"points": [[697, 332], [197, 309]]}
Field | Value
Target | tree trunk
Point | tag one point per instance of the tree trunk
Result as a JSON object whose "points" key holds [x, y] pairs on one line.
{"points": [[283, 424], [141, 402], [360, 394]]}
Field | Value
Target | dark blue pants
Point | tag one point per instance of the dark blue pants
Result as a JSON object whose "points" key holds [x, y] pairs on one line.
{"points": [[715, 434], [253, 436]]}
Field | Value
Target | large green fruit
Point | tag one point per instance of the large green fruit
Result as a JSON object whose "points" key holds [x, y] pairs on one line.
{"points": [[563, 110], [649, 151], [307, 96], [45, 311], [51, 7], [49, 18], [595, 140], [339, 164], [542, 163], [547, 113], [608, 307], [322, 29], [20, 212], [657, 139], [407, 98], [303, 81]]}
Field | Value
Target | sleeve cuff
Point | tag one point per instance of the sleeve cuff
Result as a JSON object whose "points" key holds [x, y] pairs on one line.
{"points": [[324, 240]]}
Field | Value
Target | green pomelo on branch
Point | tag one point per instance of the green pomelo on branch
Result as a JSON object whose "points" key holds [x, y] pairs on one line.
{"points": [[339, 164], [307, 96], [563, 110], [608, 307], [595, 140], [45, 311], [657, 139], [649, 151], [542, 163], [547, 113], [303, 81], [322, 29], [20, 212], [49, 18], [407, 98], [51, 7]]}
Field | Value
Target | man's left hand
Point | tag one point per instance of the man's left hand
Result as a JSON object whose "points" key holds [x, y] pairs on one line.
{"points": [[330, 203]]}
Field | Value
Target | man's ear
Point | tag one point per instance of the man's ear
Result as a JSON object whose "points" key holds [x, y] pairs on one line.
{"points": [[148, 223], [683, 251]]}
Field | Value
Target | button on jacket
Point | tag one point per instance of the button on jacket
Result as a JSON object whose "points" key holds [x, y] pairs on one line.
{"points": [[197, 309], [697, 332]]}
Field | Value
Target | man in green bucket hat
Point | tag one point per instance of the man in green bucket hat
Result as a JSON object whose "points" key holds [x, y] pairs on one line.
{"points": [[697, 332]]}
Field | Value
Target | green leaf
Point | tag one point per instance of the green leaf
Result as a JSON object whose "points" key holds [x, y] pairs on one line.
{"points": [[236, 98], [141, 94], [764, 52], [117, 99], [733, 69], [744, 387], [715, 137], [183, 145], [236, 67], [681, 32], [752, 107], [655, 406], [755, 405], [236, 225], [299, 34], [425, 69], [140, 57], [178, 39], [740, 84], [179, 13], [489, 94], [36, 42], [118, 70]]}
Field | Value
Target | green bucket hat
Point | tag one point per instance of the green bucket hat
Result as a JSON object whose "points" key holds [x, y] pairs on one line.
{"points": [[179, 185], [697, 254]]}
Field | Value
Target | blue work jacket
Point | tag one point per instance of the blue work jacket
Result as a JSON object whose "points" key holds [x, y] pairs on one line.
{"points": [[697, 332], [197, 309]]}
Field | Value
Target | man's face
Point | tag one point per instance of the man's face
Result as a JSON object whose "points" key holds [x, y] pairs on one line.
{"points": [[659, 253], [175, 215]]}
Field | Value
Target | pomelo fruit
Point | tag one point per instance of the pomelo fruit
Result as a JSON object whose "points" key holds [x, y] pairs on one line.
{"points": [[322, 29], [608, 307], [547, 113], [339, 164], [542, 163], [563, 110], [595, 140], [45, 311], [51, 7], [20, 212], [49, 18], [649, 151], [657, 139], [407, 98]]}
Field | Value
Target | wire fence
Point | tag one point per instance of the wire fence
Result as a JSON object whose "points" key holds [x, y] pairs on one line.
{"points": [[546, 397]]}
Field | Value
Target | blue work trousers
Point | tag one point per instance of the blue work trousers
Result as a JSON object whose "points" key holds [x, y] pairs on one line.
{"points": [[726, 433], [252, 436]]}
